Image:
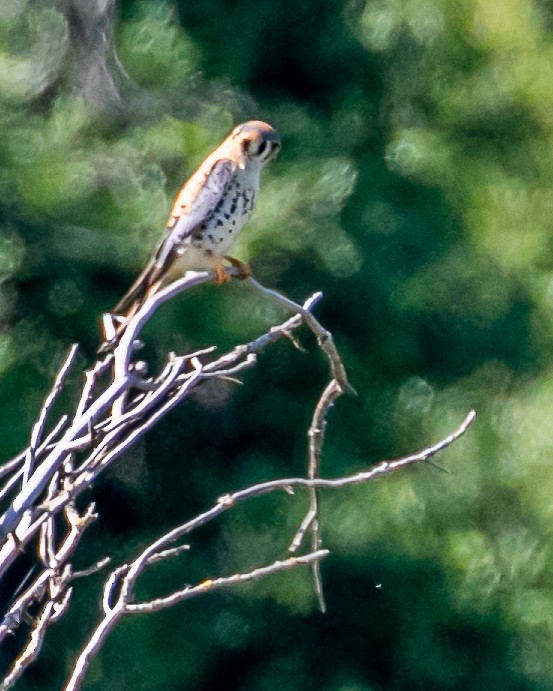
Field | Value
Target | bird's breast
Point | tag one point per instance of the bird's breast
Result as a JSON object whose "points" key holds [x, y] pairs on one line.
{"points": [[221, 228]]}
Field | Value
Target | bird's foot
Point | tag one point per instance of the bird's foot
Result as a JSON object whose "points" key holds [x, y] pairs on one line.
{"points": [[221, 275], [244, 270]]}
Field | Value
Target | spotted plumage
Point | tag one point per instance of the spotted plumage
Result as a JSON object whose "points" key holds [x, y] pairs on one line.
{"points": [[209, 212]]}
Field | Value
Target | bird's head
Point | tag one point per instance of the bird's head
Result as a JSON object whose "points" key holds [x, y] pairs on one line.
{"points": [[258, 141]]}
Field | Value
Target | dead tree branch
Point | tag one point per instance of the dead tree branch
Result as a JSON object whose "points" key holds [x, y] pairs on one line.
{"points": [[118, 599], [119, 403]]}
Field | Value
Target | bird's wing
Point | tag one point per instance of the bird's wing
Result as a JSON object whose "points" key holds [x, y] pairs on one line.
{"points": [[193, 206]]}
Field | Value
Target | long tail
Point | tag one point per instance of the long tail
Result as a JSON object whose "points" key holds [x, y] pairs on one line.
{"points": [[146, 284], [139, 289], [109, 344]]}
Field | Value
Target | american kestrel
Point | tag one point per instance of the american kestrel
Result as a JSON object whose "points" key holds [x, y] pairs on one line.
{"points": [[208, 214]]}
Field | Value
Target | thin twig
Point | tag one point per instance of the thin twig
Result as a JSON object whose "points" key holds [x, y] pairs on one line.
{"points": [[38, 428], [32, 648], [35, 591], [91, 378], [114, 409], [10, 466], [210, 585], [324, 337], [119, 588], [41, 476], [316, 434], [115, 611], [338, 385]]}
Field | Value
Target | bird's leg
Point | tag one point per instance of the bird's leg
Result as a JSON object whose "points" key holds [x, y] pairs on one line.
{"points": [[244, 270], [221, 275]]}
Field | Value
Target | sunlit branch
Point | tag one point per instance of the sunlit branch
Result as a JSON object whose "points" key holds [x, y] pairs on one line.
{"points": [[118, 598], [119, 403], [116, 406]]}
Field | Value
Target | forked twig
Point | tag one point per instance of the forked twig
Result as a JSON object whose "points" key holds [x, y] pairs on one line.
{"points": [[118, 598], [117, 405], [324, 337], [38, 428], [315, 435], [117, 606]]}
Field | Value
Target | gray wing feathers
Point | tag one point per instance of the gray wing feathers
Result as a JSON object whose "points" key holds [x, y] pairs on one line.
{"points": [[201, 208]]}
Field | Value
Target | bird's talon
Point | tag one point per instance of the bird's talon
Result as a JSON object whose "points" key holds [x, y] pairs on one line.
{"points": [[244, 270], [221, 275]]}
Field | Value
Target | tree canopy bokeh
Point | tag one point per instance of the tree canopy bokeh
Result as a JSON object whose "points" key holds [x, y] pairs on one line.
{"points": [[413, 189]]}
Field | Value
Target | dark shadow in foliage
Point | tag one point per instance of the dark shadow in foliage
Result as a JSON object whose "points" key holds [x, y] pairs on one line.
{"points": [[404, 632]]}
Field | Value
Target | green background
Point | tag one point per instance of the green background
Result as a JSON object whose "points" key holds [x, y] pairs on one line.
{"points": [[413, 189]]}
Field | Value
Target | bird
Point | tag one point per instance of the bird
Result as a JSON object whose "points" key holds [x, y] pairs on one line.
{"points": [[207, 216]]}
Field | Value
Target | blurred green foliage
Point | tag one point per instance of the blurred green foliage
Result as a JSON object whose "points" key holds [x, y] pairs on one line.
{"points": [[414, 189]]}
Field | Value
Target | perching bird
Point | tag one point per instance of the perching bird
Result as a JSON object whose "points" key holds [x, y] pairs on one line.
{"points": [[208, 214]]}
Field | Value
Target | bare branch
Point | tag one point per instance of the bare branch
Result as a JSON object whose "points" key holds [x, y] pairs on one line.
{"points": [[91, 379], [316, 439], [113, 613], [38, 428], [118, 403], [35, 592], [119, 589], [210, 585], [101, 436], [324, 337], [92, 647], [32, 649], [9, 466]]}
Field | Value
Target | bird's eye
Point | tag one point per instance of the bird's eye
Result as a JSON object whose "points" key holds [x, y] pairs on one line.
{"points": [[255, 148], [262, 149], [259, 148]]}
